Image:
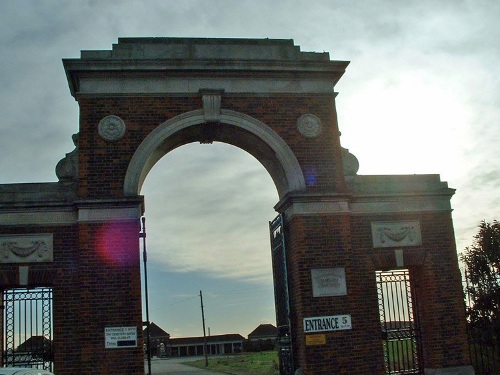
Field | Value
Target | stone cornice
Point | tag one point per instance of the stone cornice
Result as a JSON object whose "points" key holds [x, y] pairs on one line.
{"points": [[366, 204], [103, 210], [38, 216], [313, 204], [184, 65], [154, 85]]}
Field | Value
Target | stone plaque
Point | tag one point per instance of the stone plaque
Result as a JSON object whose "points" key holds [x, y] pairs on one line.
{"points": [[309, 125], [396, 234], [111, 128], [328, 282], [26, 248]]}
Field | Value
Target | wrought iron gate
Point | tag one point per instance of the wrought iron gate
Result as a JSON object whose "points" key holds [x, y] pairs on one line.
{"points": [[281, 295], [483, 326], [398, 318], [27, 328]]}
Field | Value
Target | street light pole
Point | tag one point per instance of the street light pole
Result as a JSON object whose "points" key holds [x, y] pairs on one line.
{"points": [[145, 259], [204, 334]]}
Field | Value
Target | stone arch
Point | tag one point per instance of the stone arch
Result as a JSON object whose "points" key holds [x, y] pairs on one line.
{"points": [[234, 128]]}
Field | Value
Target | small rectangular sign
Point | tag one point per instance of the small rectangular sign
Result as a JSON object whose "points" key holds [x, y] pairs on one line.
{"points": [[120, 337], [316, 339], [327, 323], [328, 282]]}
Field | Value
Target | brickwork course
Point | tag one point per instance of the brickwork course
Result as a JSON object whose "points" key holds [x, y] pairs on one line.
{"points": [[249, 93]]}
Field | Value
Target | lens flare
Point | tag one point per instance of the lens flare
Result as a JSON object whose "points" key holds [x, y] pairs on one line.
{"points": [[117, 243], [311, 177]]}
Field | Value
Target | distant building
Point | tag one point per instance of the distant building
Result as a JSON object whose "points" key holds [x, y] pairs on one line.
{"points": [[158, 339], [219, 344], [264, 337], [163, 345], [263, 332]]}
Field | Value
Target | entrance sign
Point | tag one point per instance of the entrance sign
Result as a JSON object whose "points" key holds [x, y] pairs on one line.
{"points": [[327, 323], [120, 337]]}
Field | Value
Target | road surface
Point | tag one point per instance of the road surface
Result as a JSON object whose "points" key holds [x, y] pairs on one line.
{"points": [[174, 366]]}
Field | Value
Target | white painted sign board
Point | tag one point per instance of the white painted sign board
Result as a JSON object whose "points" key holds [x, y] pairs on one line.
{"points": [[327, 323], [328, 282], [120, 337]]}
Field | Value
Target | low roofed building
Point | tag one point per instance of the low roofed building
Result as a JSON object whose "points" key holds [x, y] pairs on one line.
{"points": [[263, 332], [218, 344]]}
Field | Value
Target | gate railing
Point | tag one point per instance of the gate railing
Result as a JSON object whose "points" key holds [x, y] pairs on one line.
{"points": [[400, 330], [483, 328], [281, 295], [27, 328]]}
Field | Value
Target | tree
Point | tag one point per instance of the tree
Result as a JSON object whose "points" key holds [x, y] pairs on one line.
{"points": [[482, 272]]}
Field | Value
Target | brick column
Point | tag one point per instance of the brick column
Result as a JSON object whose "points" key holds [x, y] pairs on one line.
{"points": [[319, 238], [440, 300], [110, 294]]}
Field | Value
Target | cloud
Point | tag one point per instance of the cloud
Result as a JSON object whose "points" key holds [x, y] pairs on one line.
{"points": [[420, 96], [211, 212]]}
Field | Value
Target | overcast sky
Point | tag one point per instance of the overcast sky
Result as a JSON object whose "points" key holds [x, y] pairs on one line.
{"points": [[421, 95]]}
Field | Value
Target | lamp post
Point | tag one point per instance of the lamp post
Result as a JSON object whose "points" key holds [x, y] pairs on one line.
{"points": [[204, 334], [145, 260]]}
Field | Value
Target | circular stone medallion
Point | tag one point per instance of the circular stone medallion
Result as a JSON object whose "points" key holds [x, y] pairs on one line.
{"points": [[309, 125], [111, 128]]}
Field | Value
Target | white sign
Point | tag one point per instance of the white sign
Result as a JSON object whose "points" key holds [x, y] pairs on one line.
{"points": [[120, 337], [328, 282], [327, 323]]}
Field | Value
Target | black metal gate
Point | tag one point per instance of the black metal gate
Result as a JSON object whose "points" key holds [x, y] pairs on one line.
{"points": [[281, 295], [27, 328], [483, 324], [398, 317]]}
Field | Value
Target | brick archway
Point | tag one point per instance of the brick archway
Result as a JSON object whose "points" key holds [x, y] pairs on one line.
{"points": [[246, 133], [147, 96]]}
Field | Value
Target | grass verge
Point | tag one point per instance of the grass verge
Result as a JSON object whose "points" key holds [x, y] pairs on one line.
{"points": [[265, 363]]}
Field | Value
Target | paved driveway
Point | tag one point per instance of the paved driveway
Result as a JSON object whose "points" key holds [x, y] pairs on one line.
{"points": [[173, 366]]}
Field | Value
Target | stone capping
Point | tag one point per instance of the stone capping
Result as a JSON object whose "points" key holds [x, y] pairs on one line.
{"points": [[385, 185], [312, 204], [40, 204], [44, 194], [258, 85], [147, 154], [206, 48], [151, 59], [300, 203], [98, 211], [385, 194], [38, 216]]}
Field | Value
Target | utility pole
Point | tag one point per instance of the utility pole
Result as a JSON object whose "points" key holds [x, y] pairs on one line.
{"points": [[145, 259], [204, 334]]}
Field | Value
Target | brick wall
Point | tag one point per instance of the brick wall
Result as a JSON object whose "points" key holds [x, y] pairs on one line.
{"points": [[96, 268], [110, 295], [436, 278], [63, 276], [103, 165], [324, 241]]}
